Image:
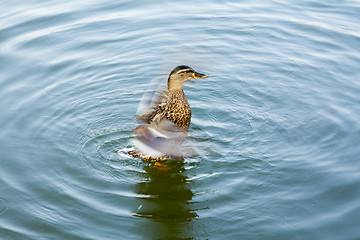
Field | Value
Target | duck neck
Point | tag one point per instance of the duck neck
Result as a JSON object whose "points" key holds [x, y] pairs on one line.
{"points": [[174, 85]]}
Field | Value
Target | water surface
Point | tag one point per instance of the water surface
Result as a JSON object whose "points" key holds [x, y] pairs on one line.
{"points": [[276, 126]]}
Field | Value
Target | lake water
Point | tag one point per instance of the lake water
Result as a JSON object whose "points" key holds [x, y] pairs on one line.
{"points": [[276, 125]]}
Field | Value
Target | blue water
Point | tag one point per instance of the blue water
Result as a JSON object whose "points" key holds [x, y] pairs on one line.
{"points": [[275, 127]]}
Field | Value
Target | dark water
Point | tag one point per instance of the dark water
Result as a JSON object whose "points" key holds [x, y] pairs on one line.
{"points": [[276, 126]]}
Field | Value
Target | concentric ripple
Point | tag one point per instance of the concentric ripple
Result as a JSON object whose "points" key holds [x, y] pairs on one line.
{"points": [[3, 205], [101, 153]]}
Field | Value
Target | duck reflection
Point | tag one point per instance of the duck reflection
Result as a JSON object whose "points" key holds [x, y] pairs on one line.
{"points": [[165, 198]]}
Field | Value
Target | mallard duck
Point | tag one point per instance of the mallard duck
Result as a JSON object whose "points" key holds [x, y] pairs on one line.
{"points": [[167, 121]]}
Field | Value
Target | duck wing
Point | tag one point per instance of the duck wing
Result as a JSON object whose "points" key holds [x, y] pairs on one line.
{"points": [[152, 105], [160, 138]]}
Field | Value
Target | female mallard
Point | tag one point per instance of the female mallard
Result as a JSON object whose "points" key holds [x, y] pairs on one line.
{"points": [[167, 122]]}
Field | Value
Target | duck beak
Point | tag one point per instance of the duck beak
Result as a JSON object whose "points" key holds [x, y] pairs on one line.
{"points": [[199, 75]]}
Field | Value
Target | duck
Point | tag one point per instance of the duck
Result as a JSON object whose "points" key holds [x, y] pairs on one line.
{"points": [[167, 121]]}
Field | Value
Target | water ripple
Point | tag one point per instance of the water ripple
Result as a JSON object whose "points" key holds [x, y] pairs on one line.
{"points": [[3, 206]]}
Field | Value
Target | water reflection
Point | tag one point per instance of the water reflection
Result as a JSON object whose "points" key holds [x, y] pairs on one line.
{"points": [[165, 200]]}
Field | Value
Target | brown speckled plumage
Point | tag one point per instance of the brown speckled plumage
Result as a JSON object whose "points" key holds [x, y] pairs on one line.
{"points": [[177, 109], [171, 107]]}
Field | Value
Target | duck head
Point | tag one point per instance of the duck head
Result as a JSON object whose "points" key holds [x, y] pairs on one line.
{"points": [[180, 74]]}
